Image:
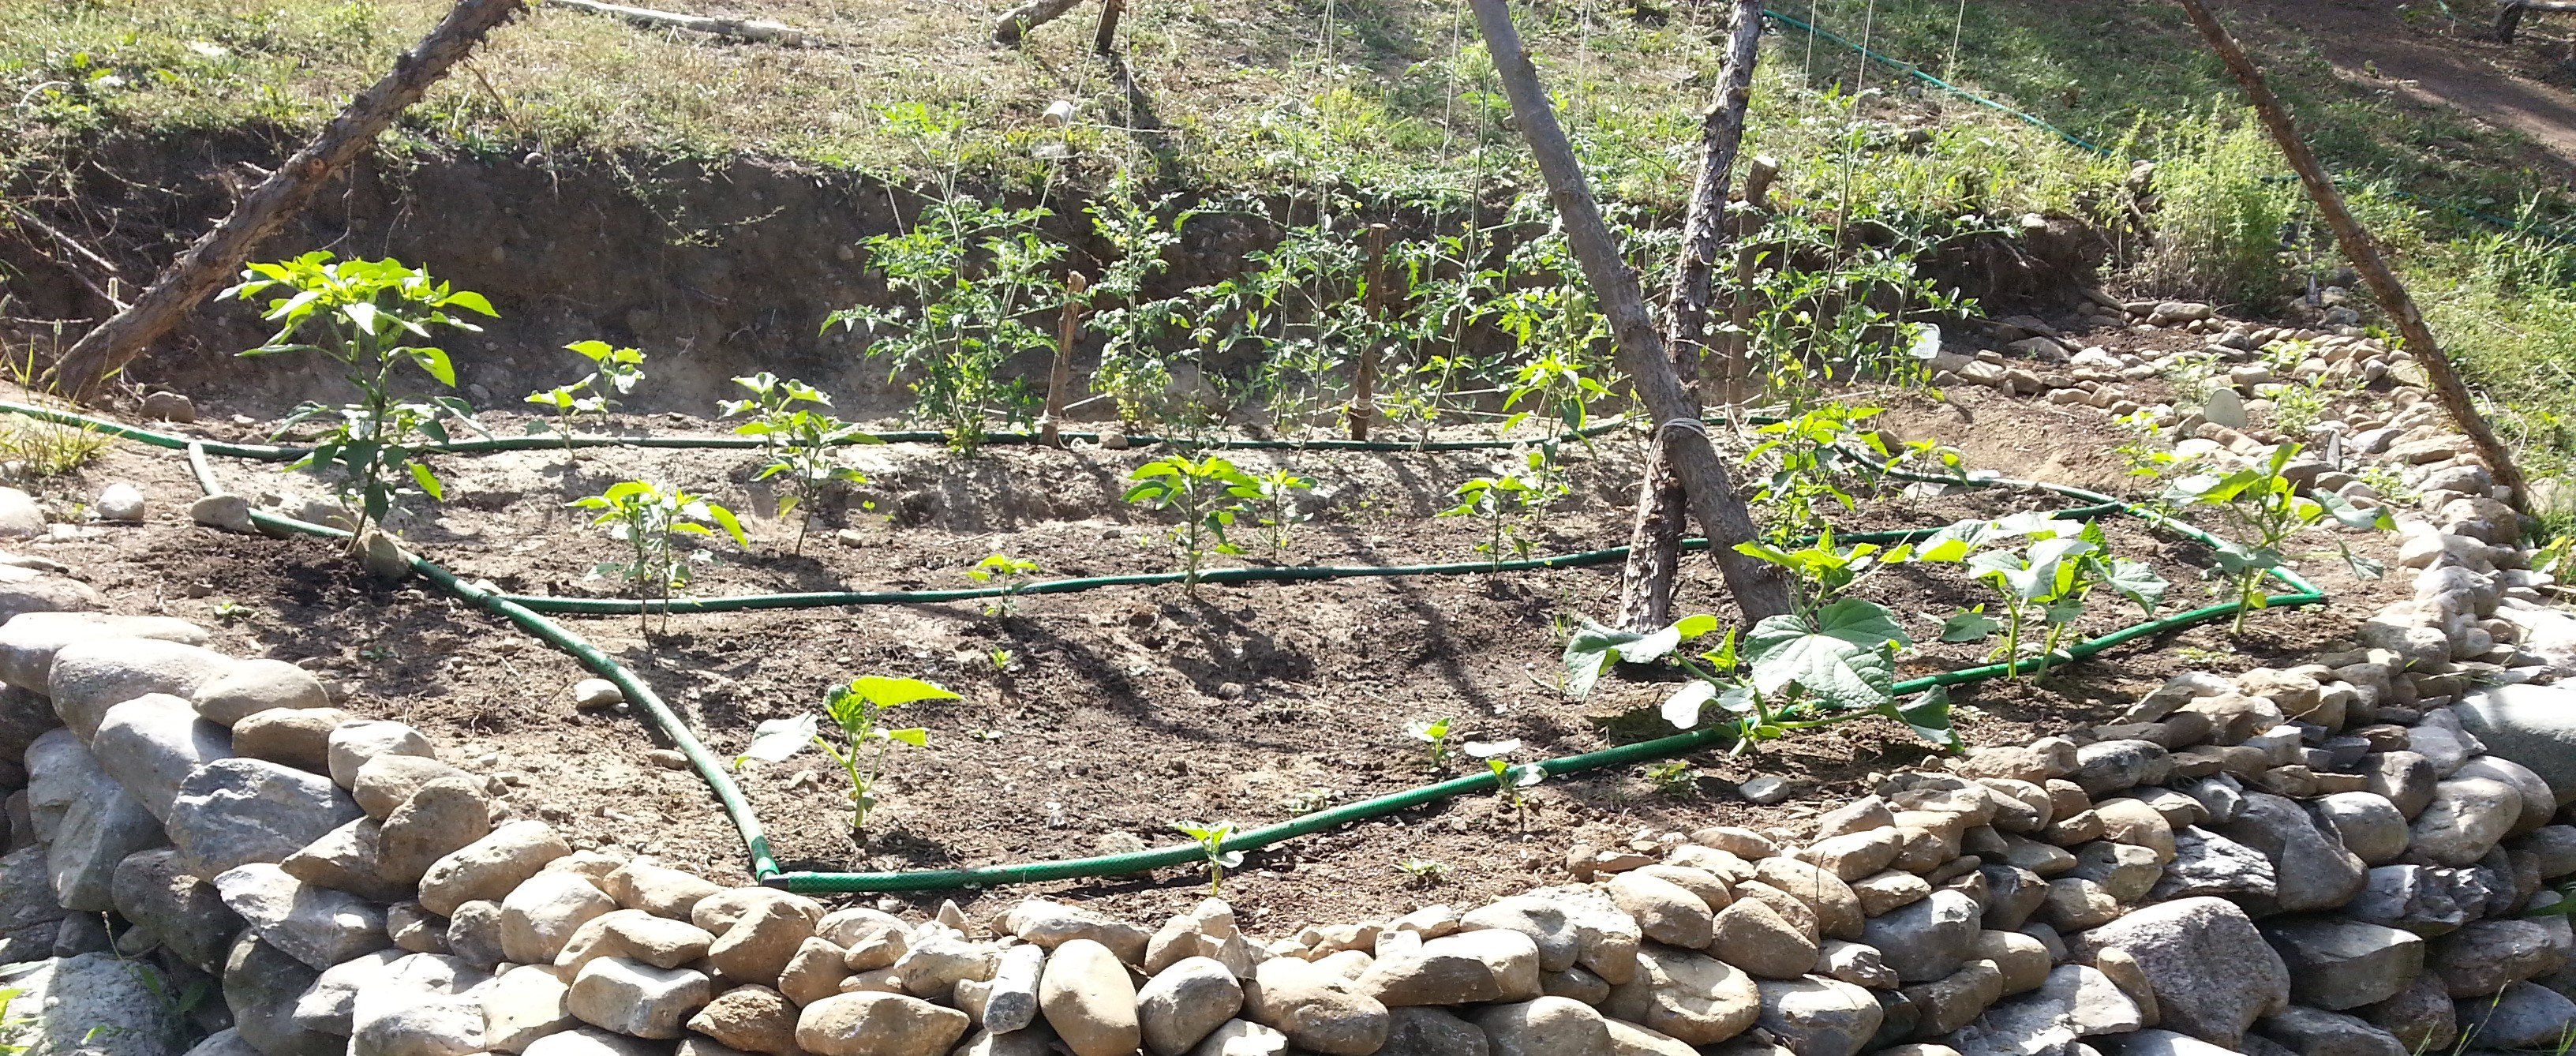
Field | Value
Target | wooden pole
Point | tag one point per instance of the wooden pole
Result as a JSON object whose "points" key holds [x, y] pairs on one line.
{"points": [[1364, 380], [1060, 379], [1710, 494], [2364, 253], [1018, 21], [216, 255], [1655, 541], [1105, 39]]}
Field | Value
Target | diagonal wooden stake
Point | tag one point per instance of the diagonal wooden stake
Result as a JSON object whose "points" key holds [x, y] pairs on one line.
{"points": [[1711, 495], [1655, 543], [2364, 253]]}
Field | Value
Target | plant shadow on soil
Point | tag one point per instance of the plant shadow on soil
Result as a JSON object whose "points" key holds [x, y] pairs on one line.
{"points": [[1124, 709]]}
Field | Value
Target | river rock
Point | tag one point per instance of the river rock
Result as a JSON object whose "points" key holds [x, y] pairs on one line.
{"points": [[2421, 1016], [160, 896], [2425, 900], [256, 685], [1836, 905], [29, 641], [544, 911], [750, 1018], [1086, 997], [97, 830], [353, 743], [2338, 964], [25, 591], [666, 892], [1819, 1017], [1482, 966], [2464, 821], [89, 676], [1570, 925], [300, 738], [386, 782], [2310, 1032], [2206, 863], [2367, 823], [636, 999], [261, 984], [232, 812], [2212, 973], [2533, 725], [1929, 939], [2311, 870], [1052, 924], [1236, 1037], [441, 818], [151, 743], [633, 934], [1689, 996], [1181, 1005], [315, 925], [877, 1024], [489, 868], [30, 915], [1425, 1031], [63, 1003], [1665, 912], [1752, 935], [526, 1003], [1548, 1026], [1317, 1010], [2484, 956]]}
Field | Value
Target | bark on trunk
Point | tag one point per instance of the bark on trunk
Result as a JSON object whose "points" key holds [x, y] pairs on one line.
{"points": [[2364, 254], [1018, 21], [216, 255], [1710, 494], [1655, 542]]}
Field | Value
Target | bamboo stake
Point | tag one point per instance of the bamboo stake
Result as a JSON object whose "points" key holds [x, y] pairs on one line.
{"points": [[1655, 540], [212, 259], [1710, 494], [1060, 379], [2364, 253]]}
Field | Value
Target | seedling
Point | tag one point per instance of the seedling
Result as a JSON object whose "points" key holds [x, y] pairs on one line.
{"points": [[859, 709], [1438, 733], [1509, 777], [1820, 572], [1424, 871], [1273, 498], [2051, 579], [618, 371], [1203, 494], [368, 310], [1002, 659], [2262, 503], [1007, 572], [1505, 502], [1673, 777], [644, 517], [1556, 385], [1211, 839]]}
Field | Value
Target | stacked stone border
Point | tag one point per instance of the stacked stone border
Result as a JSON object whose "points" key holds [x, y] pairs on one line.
{"points": [[2339, 858]]}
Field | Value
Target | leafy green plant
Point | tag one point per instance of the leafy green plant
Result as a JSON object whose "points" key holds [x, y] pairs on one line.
{"points": [[964, 277], [1506, 502], [2050, 582], [1672, 777], [644, 517], [1211, 839], [616, 373], [1273, 500], [2297, 407], [368, 311], [1006, 571], [2267, 511], [859, 709], [1556, 385], [37, 450], [1424, 871], [1134, 370], [1510, 778], [1438, 733], [1819, 572], [1205, 495], [1809, 465], [800, 442], [1792, 672]]}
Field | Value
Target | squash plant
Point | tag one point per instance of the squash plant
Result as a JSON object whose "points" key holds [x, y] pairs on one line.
{"points": [[867, 741], [2051, 580], [1792, 672], [369, 312], [2263, 504]]}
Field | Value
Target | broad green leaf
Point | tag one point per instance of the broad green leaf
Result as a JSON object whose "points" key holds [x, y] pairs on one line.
{"points": [[1928, 716], [428, 482], [777, 739], [472, 301], [1969, 626], [1652, 647], [434, 362], [914, 736], [1490, 749], [1863, 623], [2137, 582], [1588, 653], [1841, 674], [895, 692], [2352, 516], [1683, 707], [1695, 626]]}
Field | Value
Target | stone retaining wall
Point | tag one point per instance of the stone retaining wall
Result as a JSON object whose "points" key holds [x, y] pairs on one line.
{"points": [[2333, 859]]}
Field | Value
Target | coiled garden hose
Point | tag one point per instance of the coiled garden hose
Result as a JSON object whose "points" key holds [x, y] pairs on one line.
{"points": [[523, 613]]}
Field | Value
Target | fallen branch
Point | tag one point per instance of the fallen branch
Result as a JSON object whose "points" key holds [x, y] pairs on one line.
{"points": [[1018, 21], [2364, 253], [1709, 493], [761, 30], [216, 255], [1655, 542]]}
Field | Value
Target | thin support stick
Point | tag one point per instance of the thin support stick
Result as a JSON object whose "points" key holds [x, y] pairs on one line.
{"points": [[1060, 379]]}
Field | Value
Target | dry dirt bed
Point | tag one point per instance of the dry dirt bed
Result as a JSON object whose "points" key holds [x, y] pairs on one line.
{"points": [[1124, 709]]}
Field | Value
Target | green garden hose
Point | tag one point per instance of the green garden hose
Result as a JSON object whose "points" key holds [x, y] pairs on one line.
{"points": [[522, 612]]}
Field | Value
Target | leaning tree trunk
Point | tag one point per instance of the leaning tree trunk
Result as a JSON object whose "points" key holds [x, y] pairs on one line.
{"points": [[1709, 494], [207, 264], [2364, 252], [1655, 543]]}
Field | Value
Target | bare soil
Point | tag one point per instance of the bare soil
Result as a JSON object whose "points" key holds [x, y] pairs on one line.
{"points": [[1120, 710]]}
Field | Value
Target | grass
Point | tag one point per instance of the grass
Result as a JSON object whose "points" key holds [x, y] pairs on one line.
{"points": [[1395, 103]]}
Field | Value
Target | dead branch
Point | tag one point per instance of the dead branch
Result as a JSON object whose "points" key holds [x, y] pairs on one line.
{"points": [[755, 29], [1018, 21]]}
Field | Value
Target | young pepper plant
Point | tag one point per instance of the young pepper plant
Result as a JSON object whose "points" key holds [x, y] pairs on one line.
{"points": [[1207, 497], [644, 517], [369, 310], [2263, 504], [618, 371], [859, 709]]}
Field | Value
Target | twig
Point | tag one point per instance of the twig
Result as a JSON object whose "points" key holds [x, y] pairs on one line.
{"points": [[738, 28]]}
